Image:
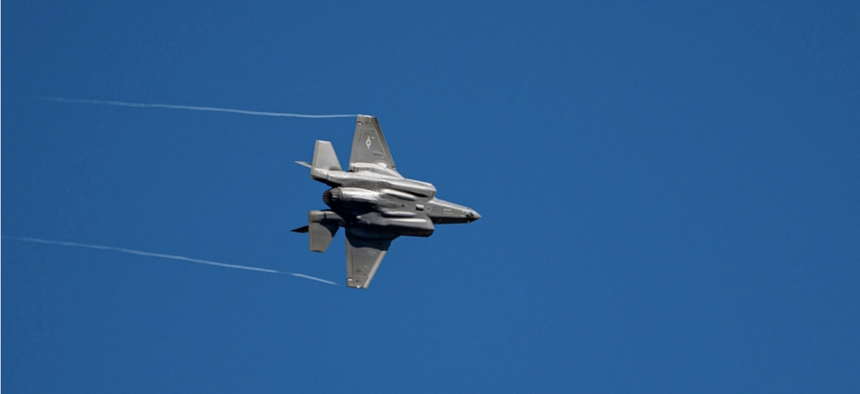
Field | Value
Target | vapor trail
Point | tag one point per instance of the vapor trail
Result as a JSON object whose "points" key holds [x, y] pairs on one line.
{"points": [[192, 108], [311, 278], [163, 256]]}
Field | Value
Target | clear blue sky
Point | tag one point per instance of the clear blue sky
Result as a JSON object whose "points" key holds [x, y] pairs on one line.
{"points": [[669, 195]]}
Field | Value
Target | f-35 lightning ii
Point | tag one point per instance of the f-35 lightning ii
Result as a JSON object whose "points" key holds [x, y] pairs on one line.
{"points": [[373, 202]]}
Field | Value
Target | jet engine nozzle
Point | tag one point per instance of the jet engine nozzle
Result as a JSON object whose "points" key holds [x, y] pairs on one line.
{"points": [[350, 196], [332, 196]]}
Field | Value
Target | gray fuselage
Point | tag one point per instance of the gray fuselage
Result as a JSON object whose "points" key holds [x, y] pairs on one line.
{"points": [[372, 202], [377, 203]]}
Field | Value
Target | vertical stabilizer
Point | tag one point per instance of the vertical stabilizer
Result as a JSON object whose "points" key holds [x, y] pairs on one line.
{"points": [[325, 158]]}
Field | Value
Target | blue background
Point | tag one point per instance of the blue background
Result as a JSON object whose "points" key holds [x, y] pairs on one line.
{"points": [[669, 195]]}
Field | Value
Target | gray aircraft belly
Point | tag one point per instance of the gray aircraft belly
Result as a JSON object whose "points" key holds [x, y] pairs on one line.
{"points": [[373, 202]]}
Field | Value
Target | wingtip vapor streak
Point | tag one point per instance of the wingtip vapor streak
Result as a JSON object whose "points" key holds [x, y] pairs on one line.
{"points": [[372, 202]]}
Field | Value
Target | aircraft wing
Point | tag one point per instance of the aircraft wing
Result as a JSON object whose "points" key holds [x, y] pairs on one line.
{"points": [[368, 145], [362, 259]]}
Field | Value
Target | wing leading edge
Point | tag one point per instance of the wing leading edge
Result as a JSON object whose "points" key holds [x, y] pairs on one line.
{"points": [[362, 259]]}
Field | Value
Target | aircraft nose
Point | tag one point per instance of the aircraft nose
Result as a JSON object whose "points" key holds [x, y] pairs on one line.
{"points": [[472, 215]]}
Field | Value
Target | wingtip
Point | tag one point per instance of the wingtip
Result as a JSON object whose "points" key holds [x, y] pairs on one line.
{"points": [[354, 284]]}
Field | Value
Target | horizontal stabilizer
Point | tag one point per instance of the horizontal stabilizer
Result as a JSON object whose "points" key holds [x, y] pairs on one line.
{"points": [[321, 235], [300, 229], [322, 226], [304, 164]]}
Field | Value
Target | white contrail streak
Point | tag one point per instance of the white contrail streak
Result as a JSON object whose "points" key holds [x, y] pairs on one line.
{"points": [[311, 278], [163, 256], [193, 108]]}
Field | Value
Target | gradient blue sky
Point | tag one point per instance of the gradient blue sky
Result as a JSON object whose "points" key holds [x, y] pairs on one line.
{"points": [[669, 195]]}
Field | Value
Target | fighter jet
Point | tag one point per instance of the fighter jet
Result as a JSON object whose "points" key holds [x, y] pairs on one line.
{"points": [[372, 202]]}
